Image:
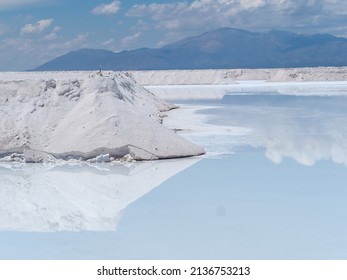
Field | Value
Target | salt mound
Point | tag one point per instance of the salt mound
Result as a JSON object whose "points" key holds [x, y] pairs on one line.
{"points": [[45, 116]]}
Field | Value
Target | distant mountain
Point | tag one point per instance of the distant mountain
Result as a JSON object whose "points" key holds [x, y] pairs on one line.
{"points": [[221, 48]]}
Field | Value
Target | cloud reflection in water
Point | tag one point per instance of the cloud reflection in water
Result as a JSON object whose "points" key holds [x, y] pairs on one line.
{"points": [[306, 122]]}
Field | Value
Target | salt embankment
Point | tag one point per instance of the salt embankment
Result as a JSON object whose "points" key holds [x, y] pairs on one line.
{"points": [[229, 76], [84, 116]]}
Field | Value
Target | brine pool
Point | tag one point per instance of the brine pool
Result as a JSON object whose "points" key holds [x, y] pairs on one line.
{"points": [[273, 185]]}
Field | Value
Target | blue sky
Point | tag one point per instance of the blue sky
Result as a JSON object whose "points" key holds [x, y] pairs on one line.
{"points": [[35, 31]]}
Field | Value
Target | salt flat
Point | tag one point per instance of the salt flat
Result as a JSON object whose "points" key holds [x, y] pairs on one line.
{"points": [[271, 185]]}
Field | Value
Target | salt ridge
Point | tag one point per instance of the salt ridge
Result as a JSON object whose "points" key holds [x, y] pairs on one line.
{"points": [[230, 76]]}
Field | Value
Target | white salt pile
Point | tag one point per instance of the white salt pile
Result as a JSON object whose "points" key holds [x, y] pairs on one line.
{"points": [[84, 116]]}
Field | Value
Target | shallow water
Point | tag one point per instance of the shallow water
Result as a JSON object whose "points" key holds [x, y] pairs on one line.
{"points": [[274, 190]]}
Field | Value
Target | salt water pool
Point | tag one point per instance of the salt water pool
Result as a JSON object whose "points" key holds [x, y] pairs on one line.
{"points": [[271, 186]]}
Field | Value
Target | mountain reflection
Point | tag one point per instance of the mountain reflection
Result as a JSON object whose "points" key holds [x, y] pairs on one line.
{"points": [[49, 198]]}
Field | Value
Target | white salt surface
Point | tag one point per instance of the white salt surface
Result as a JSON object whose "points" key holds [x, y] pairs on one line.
{"points": [[216, 140], [229, 76], [189, 92], [83, 115]]}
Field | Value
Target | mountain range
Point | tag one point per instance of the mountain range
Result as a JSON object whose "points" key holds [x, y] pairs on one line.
{"points": [[223, 48]]}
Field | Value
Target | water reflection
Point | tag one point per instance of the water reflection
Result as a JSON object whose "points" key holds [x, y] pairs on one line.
{"points": [[305, 128], [49, 198]]}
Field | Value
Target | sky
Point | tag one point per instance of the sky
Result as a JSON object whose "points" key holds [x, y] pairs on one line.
{"points": [[33, 32]]}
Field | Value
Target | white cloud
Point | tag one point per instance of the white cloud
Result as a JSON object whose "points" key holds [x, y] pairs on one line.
{"points": [[126, 41], [58, 48], [36, 28], [252, 4], [56, 29], [303, 16], [108, 43], [107, 9], [53, 35], [79, 40], [3, 29]]}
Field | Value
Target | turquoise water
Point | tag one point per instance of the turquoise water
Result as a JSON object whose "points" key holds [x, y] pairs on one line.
{"points": [[278, 193]]}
